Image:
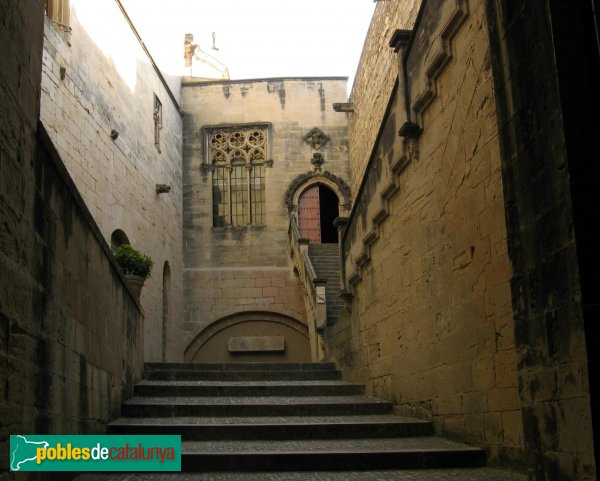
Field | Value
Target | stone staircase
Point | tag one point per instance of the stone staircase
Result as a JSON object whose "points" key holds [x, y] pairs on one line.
{"points": [[281, 417], [325, 259]]}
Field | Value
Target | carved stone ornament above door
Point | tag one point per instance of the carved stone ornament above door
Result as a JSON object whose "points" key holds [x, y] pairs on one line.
{"points": [[316, 139]]}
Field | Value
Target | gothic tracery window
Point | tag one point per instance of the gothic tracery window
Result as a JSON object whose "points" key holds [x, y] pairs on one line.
{"points": [[238, 157]]}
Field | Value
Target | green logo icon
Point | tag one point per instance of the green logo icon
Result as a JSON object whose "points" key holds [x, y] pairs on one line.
{"points": [[24, 451]]}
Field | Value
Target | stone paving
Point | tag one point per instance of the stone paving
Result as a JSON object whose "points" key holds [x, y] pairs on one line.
{"points": [[475, 474]]}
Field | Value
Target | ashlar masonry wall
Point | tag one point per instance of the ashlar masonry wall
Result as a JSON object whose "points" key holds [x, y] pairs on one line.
{"points": [[238, 269], [70, 330], [100, 81], [377, 71], [431, 325], [546, 77]]}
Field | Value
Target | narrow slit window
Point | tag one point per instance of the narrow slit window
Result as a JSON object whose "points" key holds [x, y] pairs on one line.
{"points": [[157, 121]]}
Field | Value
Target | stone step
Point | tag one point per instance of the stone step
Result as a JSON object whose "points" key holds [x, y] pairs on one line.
{"points": [[163, 406], [454, 474], [331, 274], [336, 454], [239, 366], [326, 247], [331, 277], [276, 427], [249, 388], [242, 375]]}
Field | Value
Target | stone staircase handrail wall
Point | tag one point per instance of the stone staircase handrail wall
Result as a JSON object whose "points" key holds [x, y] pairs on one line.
{"points": [[313, 289]]}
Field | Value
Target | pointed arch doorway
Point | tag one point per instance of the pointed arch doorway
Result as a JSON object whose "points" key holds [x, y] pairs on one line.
{"points": [[318, 207]]}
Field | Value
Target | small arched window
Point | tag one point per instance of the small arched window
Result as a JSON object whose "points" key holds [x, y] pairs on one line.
{"points": [[117, 238]]}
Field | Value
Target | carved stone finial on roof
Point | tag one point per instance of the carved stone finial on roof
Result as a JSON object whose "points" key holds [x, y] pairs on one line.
{"points": [[188, 49], [316, 139]]}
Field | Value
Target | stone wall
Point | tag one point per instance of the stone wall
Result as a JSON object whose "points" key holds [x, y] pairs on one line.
{"points": [[239, 269], [546, 75], [70, 330], [431, 326], [103, 81], [374, 80]]}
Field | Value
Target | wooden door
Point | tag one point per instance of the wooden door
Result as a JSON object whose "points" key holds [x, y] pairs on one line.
{"points": [[309, 215]]}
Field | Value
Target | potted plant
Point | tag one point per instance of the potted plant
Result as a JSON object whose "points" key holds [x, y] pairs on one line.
{"points": [[136, 266]]}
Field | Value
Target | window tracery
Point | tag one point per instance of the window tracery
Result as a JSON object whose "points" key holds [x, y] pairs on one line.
{"points": [[238, 157]]}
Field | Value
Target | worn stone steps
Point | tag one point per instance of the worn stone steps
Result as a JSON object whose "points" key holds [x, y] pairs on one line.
{"points": [[235, 418], [242, 375], [249, 388], [158, 406], [398, 453], [448, 474], [276, 427], [239, 366], [325, 260], [326, 264]]}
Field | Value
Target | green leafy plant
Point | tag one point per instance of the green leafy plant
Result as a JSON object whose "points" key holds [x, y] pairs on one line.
{"points": [[133, 262]]}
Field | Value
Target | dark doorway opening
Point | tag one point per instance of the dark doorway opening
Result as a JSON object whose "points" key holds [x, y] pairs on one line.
{"points": [[329, 212]]}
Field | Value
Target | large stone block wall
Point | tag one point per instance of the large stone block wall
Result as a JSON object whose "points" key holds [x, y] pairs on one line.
{"points": [[431, 325], [228, 269], [102, 81], [70, 330], [374, 80], [546, 79]]}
